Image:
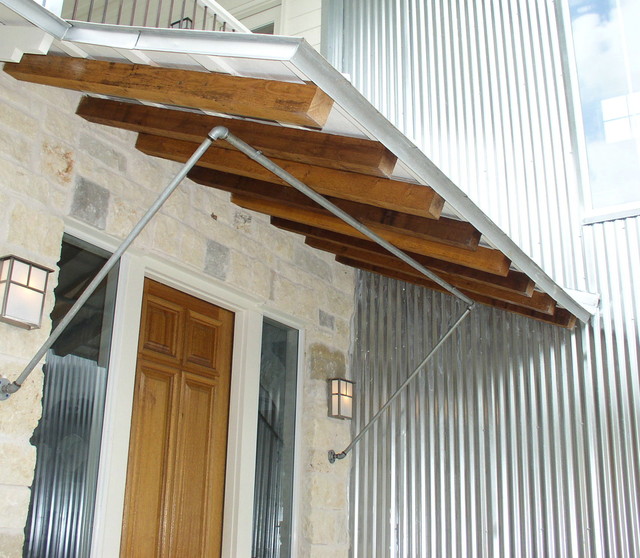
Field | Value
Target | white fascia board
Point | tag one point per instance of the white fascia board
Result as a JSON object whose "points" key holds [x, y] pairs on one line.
{"points": [[343, 93], [211, 43], [39, 16]]}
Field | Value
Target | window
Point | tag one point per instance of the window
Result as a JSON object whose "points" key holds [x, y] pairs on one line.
{"points": [[261, 16], [273, 495], [606, 46], [621, 118], [68, 436]]}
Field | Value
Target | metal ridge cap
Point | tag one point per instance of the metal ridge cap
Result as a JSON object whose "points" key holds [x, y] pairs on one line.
{"points": [[186, 41], [39, 16], [332, 82]]}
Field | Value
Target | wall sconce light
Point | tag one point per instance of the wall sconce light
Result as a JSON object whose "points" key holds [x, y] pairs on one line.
{"points": [[23, 286], [340, 398]]}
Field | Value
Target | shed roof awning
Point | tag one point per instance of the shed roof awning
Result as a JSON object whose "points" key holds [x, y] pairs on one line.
{"points": [[283, 98]]}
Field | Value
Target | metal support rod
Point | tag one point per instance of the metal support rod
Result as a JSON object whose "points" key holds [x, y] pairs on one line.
{"points": [[219, 132], [335, 210], [320, 200], [333, 455]]}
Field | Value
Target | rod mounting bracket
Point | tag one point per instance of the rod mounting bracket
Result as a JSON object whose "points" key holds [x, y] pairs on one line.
{"points": [[7, 388], [333, 456]]}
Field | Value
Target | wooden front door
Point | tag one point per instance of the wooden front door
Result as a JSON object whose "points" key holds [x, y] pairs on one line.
{"points": [[177, 453]]}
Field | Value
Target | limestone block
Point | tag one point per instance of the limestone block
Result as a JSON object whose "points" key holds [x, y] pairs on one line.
{"points": [[117, 184], [22, 182], [122, 217], [21, 343], [6, 207], [344, 278], [280, 242], [301, 275], [15, 506], [325, 432], [19, 121], [151, 172], [55, 96], [242, 221], [59, 124], [294, 298], [326, 320], [12, 542], [90, 203], [217, 260], [17, 462], [328, 527], [177, 206], [329, 490], [57, 162], [193, 248], [145, 239], [323, 551], [337, 302], [17, 148], [35, 231], [167, 235], [307, 258], [21, 412], [107, 153], [212, 202], [326, 363], [317, 461], [108, 133], [14, 92], [58, 200], [343, 329], [250, 274]]}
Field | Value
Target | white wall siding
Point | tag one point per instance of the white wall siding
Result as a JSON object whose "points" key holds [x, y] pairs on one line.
{"points": [[479, 86]]}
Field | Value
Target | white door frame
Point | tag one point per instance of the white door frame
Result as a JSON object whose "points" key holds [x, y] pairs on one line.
{"points": [[135, 265]]}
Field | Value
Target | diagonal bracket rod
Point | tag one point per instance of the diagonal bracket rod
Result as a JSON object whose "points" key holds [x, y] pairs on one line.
{"points": [[335, 210], [333, 455], [7, 388]]}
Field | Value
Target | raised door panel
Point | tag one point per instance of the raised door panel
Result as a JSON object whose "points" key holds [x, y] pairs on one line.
{"points": [[199, 484], [161, 329], [149, 459], [201, 343]]}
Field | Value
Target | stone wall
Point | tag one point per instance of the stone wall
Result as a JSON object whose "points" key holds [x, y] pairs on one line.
{"points": [[56, 166]]}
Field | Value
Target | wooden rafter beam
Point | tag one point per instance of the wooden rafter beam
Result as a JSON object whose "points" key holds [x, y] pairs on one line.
{"points": [[559, 317], [446, 231], [301, 104], [343, 245], [537, 300], [484, 259], [390, 194], [304, 146]]}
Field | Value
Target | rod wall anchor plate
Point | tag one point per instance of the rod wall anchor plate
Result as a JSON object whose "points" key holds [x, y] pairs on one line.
{"points": [[4, 393], [333, 456]]}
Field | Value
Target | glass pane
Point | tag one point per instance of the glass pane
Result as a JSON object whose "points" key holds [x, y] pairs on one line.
{"points": [[38, 278], [23, 304], [606, 46], [20, 272], [69, 433], [273, 499]]}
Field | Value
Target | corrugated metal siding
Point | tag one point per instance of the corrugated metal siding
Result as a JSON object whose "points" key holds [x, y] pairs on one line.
{"points": [[479, 86], [521, 439]]}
